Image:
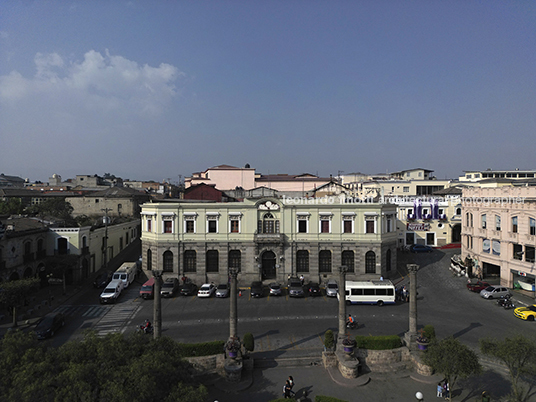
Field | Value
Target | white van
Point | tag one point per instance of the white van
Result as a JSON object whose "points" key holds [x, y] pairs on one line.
{"points": [[127, 272], [111, 292]]}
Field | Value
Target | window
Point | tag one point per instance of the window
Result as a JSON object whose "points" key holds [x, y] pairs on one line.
{"points": [[532, 226], [529, 253], [405, 189], [168, 261], [269, 224], [212, 261], [302, 226], [168, 226], [235, 259], [190, 261], [347, 259], [497, 222], [458, 211], [324, 261], [324, 225], [388, 260], [149, 225], [235, 226], [389, 224], [483, 221], [370, 262], [302, 261], [348, 226], [518, 252], [370, 224], [212, 226], [189, 226], [149, 260], [514, 224]]}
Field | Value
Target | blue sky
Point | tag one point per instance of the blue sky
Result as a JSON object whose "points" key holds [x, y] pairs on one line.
{"points": [[157, 89]]}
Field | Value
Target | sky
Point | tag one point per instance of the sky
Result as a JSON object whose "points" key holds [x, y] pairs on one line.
{"points": [[158, 90]]}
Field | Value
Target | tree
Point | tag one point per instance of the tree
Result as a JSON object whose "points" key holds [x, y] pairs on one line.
{"points": [[59, 265], [56, 207], [452, 359], [14, 293], [519, 355], [12, 206]]}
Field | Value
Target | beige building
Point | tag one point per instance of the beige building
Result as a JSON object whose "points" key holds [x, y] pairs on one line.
{"points": [[499, 234], [114, 201], [269, 239]]}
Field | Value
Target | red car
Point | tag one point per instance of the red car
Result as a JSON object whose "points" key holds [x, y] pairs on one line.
{"points": [[477, 287]]}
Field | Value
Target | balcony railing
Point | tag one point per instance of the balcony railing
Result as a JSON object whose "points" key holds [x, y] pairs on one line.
{"points": [[62, 252], [268, 238]]}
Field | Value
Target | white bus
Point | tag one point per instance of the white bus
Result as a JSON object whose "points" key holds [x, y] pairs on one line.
{"points": [[370, 292]]}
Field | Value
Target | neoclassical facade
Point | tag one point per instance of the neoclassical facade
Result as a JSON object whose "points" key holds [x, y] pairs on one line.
{"points": [[269, 239]]}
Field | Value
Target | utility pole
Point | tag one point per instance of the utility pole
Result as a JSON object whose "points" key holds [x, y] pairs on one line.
{"points": [[157, 304], [342, 300]]}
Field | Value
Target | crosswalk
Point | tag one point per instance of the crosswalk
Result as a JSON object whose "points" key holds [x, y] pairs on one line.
{"points": [[108, 318]]}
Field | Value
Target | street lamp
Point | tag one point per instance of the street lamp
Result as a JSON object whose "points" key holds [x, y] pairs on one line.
{"points": [[419, 396]]}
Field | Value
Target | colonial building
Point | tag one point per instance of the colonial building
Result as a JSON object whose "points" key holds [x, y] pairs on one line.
{"points": [[113, 201], [269, 239], [499, 234]]}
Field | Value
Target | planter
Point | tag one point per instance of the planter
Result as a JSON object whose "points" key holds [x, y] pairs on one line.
{"points": [[233, 354], [422, 345], [348, 349]]}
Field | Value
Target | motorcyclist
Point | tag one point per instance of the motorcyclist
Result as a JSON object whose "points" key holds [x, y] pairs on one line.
{"points": [[147, 326], [350, 321]]}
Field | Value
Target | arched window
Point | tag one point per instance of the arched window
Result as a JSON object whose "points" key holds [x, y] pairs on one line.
{"points": [[370, 262], [324, 261], [348, 260], [302, 261], [168, 261], [190, 261], [388, 260], [268, 224], [149, 260], [212, 261], [235, 259]]}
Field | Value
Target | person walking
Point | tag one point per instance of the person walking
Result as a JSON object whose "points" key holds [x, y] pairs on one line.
{"points": [[446, 390], [286, 390], [291, 383], [439, 390]]}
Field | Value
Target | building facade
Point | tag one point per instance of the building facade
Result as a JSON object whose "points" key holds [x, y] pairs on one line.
{"points": [[499, 234], [269, 239]]}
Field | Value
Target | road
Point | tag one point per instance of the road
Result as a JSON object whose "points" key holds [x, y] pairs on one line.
{"points": [[279, 323]]}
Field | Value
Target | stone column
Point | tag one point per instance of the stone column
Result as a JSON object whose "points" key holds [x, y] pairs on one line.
{"points": [[342, 301], [411, 335], [157, 310], [233, 316]]}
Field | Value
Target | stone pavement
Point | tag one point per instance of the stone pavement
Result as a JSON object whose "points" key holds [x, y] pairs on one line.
{"points": [[266, 383]]}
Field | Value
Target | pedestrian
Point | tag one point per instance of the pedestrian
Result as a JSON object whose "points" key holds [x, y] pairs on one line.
{"points": [[291, 383], [439, 390], [405, 294], [381, 278], [286, 390], [302, 279], [446, 390]]}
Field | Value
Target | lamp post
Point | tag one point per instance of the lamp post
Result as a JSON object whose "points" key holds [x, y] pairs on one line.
{"points": [[342, 300], [105, 243], [157, 311]]}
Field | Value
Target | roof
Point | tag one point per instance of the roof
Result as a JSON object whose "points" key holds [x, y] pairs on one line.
{"points": [[23, 224], [116, 192], [449, 191], [293, 177], [9, 179]]}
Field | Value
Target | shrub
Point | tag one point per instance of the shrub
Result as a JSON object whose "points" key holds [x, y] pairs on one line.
{"points": [[201, 349], [329, 340], [322, 398], [429, 332], [378, 342], [248, 342]]}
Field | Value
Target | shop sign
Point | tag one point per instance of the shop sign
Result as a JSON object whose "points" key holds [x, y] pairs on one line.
{"points": [[415, 227]]}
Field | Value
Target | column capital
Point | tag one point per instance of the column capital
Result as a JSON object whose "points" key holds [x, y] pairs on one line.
{"points": [[412, 267]]}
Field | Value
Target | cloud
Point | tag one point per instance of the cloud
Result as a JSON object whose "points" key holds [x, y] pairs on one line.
{"points": [[99, 83]]}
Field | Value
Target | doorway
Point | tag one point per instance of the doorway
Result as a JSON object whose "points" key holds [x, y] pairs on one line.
{"points": [[268, 265]]}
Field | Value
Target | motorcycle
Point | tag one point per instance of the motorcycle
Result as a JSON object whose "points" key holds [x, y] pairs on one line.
{"points": [[351, 325], [504, 300], [144, 329], [509, 304]]}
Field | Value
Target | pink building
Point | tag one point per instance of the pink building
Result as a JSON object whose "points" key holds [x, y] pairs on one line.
{"points": [[499, 234]]}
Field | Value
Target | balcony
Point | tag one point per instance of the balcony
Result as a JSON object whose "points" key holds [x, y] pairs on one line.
{"points": [[62, 251], [268, 238], [41, 254]]}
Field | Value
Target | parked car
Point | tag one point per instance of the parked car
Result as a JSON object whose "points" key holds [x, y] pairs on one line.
{"points": [[526, 313], [169, 287], [256, 289], [314, 289], [295, 288], [332, 288], [222, 290], [275, 289], [188, 289], [102, 279], [420, 248], [206, 290], [477, 287], [111, 292], [494, 292], [49, 325]]}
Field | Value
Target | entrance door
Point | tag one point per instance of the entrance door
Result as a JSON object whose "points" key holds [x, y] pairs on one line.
{"points": [[268, 265]]}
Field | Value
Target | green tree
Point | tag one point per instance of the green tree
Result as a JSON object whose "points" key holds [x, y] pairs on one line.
{"points": [[518, 353], [12, 206], [56, 207], [452, 359], [14, 294]]}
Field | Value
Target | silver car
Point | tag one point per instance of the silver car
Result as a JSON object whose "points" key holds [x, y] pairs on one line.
{"points": [[494, 292], [332, 288], [275, 289], [222, 290]]}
